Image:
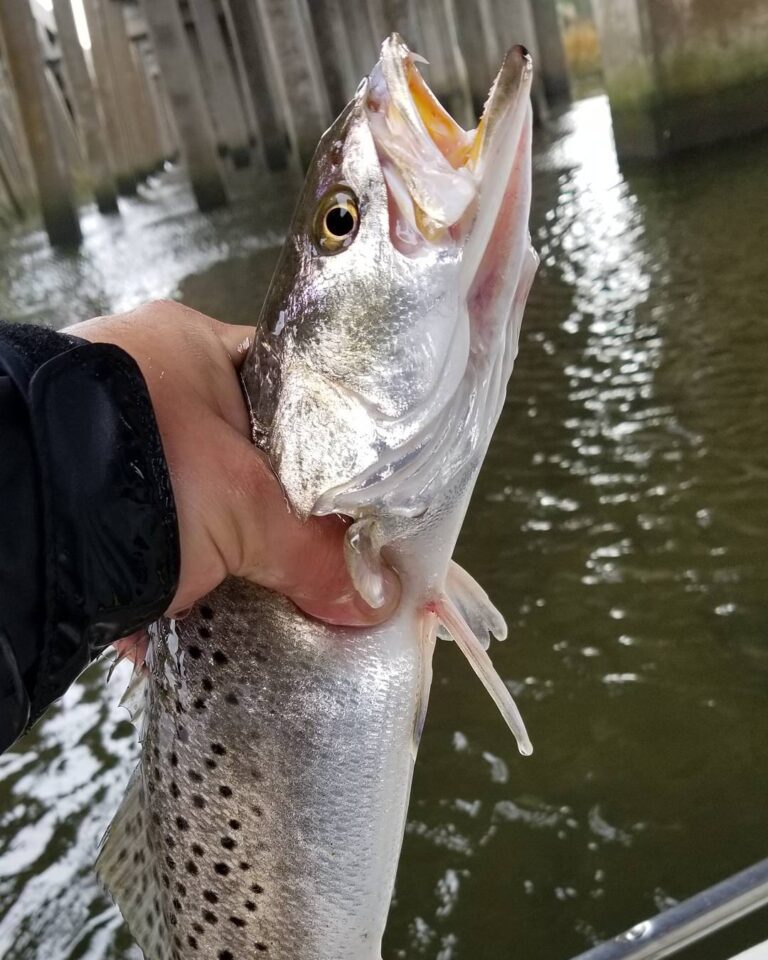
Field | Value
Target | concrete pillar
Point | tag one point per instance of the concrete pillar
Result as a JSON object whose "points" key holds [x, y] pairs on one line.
{"points": [[117, 135], [259, 81], [25, 62], [223, 98], [295, 64], [333, 41], [553, 66], [185, 92], [86, 108], [683, 73]]}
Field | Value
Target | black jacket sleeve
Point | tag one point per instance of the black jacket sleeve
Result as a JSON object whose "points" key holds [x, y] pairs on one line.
{"points": [[89, 547]]}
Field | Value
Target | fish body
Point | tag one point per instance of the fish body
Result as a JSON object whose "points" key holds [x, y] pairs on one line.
{"points": [[268, 811]]}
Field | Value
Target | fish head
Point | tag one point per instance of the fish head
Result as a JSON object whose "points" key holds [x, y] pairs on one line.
{"points": [[387, 336]]}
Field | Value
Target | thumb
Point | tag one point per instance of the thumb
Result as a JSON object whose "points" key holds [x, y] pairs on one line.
{"points": [[304, 559]]}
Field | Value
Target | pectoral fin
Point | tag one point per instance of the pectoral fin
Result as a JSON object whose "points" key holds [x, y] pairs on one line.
{"points": [[475, 606], [472, 648]]}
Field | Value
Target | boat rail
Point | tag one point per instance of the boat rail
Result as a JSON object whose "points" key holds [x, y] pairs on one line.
{"points": [[689, 921]]}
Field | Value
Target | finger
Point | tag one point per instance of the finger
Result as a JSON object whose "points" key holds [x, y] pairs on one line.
{"points": [[302, 559], [236, 339], [324, 588]]}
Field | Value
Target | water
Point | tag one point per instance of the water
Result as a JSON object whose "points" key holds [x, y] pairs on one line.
{"points": [[620, 524]]}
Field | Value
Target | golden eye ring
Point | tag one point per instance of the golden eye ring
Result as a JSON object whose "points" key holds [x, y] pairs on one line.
{"points": [[336, 220]]}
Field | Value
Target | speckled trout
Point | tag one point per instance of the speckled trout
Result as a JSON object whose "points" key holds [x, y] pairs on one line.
{"points": [[268, 810]]}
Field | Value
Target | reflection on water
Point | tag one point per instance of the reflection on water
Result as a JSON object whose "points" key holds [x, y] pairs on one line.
{"points": [[620, 524]]}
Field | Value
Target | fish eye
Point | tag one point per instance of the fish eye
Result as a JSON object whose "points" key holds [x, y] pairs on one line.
{"points": [[337, 220]]}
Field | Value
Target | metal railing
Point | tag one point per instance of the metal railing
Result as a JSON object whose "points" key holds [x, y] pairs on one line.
{"points": [[689, 921]]}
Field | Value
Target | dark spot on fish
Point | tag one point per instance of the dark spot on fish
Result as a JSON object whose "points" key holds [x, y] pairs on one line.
{"points": [[244, 865], [197, 850], [156, 752], [234, 824], [261, 946], [171, 863], [231, 698], [250, 905], [219, 658], [174, 759], [170, 841], [179, 708], [221, 868], [174, 790], [177, 904], [174, 920], [138, 856], [192, 941], [226, 955], [228, 843], [225, 791], [194, 651], [156, 818], [210, 896], [197, 801], [211, 764], [257, 810], [181, 823], [183, 735], [207, 684], [237, 921], [194, 776], [166, 880], [204, 632], [182, 889], [198, 928], [199, 703], [123, 854], [218, 749], [206, 612], [257, 888], [192, 867], [210, 917]]}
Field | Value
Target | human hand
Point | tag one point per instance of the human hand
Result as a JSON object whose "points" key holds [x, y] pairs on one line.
{"points": [[233, 516]]}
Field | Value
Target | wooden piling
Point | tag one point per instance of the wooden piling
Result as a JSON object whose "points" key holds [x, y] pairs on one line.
{"points": [[128, 96], [335, 47], [260, 86], [86, 108], [54, 183], [399, 16], [185, 93], [553, 65], [364, 46], [123, 168], [295, 66], [222, 94]]}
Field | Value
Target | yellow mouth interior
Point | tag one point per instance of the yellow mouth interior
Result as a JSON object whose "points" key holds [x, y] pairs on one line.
{"points": [[461, 148]]}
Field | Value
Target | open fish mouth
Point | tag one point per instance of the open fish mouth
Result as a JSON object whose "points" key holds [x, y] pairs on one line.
{"points": [[447, 185]]}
